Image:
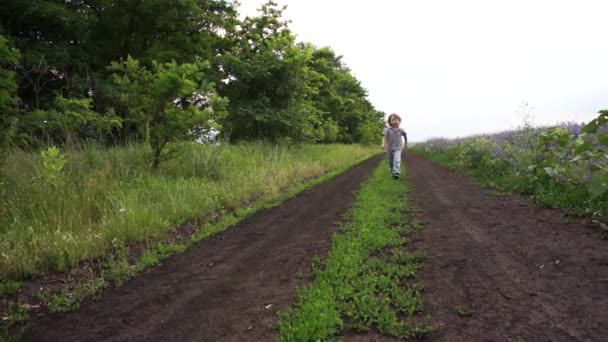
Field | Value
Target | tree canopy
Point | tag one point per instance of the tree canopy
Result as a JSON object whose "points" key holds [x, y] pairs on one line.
{"points": [[117, 71]]}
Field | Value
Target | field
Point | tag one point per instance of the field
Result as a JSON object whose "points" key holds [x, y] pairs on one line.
{"points": [[364, 257]]}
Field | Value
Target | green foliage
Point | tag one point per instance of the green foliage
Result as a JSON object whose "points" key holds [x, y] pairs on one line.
{"points": [[594, 125], [9, 57], [117, 268], [175, 102], [153, 256], [369, 132], [68, 44], [564, 166], [267, 80], [65, 300], [8, 287], [329, 132], [53, 162], [12, 324], [68, 119], [341, 98], [278, 89], [574, 163], [462, 311], [149, 259], [362, 285]]}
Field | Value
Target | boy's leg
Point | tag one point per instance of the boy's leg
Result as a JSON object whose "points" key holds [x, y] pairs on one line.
{"points": [[396, 162], [390, 160]]}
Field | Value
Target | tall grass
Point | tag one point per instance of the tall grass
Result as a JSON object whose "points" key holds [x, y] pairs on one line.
{"points": [[105, 198]]}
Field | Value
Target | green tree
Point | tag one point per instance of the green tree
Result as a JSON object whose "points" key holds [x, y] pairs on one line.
{"points": [[278, 89], [174, 101], [49, 34], [67, 45], [267, 81], [370, 130], [342, 101]]}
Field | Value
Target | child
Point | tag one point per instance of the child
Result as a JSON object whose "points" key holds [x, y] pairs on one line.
{"points": [[393, 144]]}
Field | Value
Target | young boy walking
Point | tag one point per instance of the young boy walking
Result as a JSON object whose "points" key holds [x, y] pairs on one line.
{"points": [[393, 144]]}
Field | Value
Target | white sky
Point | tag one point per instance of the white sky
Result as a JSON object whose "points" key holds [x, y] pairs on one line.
{"points": [[455, 68]]}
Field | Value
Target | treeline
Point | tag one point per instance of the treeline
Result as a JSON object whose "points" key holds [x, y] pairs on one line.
{"points": [[123, 71]]}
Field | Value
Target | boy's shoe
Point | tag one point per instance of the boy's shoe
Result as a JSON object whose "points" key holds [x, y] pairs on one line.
{"points": [[396, 176]]}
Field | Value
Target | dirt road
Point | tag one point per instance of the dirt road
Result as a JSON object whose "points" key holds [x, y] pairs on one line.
{"points": [[498, 269], [226, 288]]}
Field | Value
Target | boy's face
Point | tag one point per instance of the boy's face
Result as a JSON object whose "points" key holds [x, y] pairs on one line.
{"points": [[395, 121]]}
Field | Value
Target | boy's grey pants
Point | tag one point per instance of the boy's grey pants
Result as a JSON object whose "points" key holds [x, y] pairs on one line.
{"points": [[394, 161]]}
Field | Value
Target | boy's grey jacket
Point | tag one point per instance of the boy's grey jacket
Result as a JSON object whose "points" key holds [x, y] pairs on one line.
{"points": [[393, 138]]}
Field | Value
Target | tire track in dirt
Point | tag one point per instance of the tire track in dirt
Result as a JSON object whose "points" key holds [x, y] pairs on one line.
{"points": [[523, 272], [226, 288]]}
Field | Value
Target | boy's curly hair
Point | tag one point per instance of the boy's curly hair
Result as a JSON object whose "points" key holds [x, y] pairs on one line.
{"points": [[391, 116]]}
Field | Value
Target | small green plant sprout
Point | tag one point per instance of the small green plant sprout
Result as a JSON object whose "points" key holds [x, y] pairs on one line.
{"points": [[462, 311], [53, 162]]}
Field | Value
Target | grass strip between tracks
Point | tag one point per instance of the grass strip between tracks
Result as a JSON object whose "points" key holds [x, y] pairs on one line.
{"points": [[367, 281]]}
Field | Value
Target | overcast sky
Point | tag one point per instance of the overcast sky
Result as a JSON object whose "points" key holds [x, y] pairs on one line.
{"points": [[455, 68]]}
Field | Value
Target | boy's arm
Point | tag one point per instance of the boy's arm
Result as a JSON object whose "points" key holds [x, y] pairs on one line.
{"points": [[404, 137]]}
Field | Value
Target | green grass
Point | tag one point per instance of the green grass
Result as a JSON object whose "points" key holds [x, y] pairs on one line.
{"points": [[68, 300], [366, 282], [14, 322], [8, 287], [462, 311], [105, 198]]}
